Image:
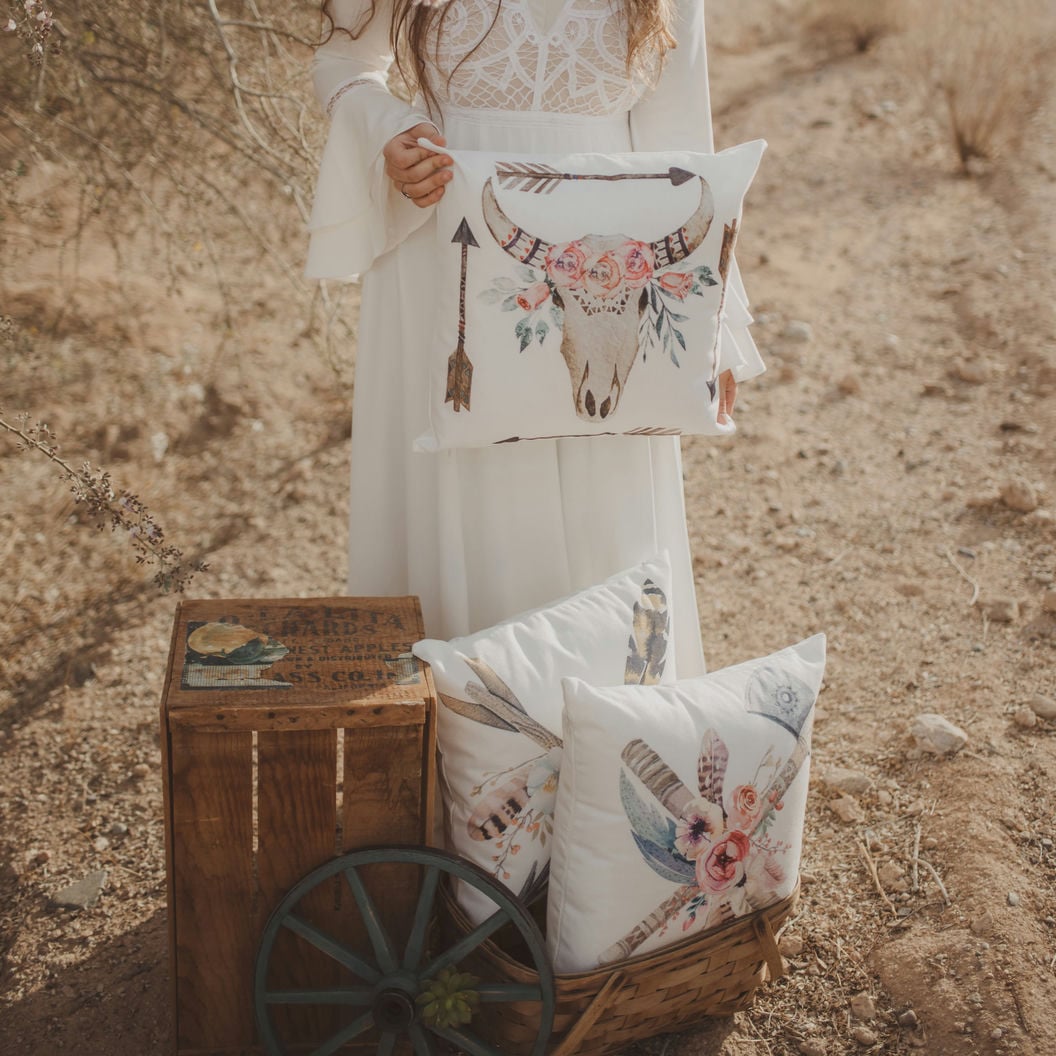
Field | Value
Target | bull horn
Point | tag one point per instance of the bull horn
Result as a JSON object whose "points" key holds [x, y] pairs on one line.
{"points": [[680, 244], [515, 240]]}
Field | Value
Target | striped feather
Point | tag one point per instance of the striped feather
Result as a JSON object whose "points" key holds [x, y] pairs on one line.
{"points": [[515, 720], [491, 681], [714, 758], [648, 640], [657, 777], [477, 712], [527, 177]]}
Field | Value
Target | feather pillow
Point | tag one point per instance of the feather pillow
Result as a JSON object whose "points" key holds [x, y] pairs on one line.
{"points": [[582, 295], [499, 719], [680, 806]]}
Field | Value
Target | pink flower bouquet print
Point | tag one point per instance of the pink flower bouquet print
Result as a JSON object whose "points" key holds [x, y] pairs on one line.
{"points": [[583, 296]]}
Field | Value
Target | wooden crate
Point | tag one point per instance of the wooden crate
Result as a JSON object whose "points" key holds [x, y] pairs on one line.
{"points": [[292, 730]]}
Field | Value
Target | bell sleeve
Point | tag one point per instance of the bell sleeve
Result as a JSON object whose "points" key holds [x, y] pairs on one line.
{"points": [[675, 114], [358, 214]]}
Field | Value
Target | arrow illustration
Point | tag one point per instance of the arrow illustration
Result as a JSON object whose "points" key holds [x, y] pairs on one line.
{"points": [[729, 240], [459, 368], [544, 179]]}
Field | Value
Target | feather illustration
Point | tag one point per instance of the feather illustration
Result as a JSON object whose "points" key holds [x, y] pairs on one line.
{"points": [[516, 719], [646, 821], [648, 640], [657, 777], [477, 712], [711, 770], [535, 884], [665, 863], [491, 682]]}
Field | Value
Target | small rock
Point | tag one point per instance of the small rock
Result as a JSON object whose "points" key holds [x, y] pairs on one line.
{"points": [[910, 588], [982, 500], [812, 1047], [791, 946], [1019, 495], [908, 1019], [930, 843], [1043, 707], [863, 1035], [997, 1034], [1001, 610], [849, 385], [891, 341], [37, 857], [843, 780], [846, 809], [118, 829], [1025, 717], [83, 894], [982, 924], [936, 734], [798, 332], [1013, 898], [890, 873], [863, 1007], [140, 770], [1048, 601], [101, 844], [973, 371], [884, 798]]}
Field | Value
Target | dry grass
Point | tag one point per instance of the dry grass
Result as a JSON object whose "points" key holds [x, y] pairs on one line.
{"points": [[859, 23], [988, 66]]}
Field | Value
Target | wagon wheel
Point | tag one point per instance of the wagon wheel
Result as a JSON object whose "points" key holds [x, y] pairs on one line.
{"points": [[388, 981]]}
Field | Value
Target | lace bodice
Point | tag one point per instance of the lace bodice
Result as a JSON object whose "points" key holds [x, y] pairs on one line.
{"points": [[565, 57]]}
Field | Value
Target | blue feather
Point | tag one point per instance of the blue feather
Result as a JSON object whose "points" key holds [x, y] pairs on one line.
{"points": [[646, 821], [664, 863]]}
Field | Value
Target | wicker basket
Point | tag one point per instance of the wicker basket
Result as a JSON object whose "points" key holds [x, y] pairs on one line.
{"points": [[602, 1011]]}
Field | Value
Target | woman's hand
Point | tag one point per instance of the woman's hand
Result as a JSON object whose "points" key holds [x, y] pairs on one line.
{"points": [[727, 396], [419, 174]]}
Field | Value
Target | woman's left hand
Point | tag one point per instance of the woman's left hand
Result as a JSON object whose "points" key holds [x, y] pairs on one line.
{"points": [[727, 396]]}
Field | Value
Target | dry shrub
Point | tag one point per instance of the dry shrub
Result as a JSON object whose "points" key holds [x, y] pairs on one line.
{"points": [[859, 23], [988, 66]]}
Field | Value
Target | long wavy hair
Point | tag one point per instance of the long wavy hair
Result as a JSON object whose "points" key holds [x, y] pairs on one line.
{"points": [[414, 24]]}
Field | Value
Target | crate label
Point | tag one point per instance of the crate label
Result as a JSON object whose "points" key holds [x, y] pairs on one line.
{"points": [[224, 654]]}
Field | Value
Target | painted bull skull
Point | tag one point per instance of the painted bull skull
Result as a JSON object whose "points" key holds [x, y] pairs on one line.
{"points": [[601, 283]]}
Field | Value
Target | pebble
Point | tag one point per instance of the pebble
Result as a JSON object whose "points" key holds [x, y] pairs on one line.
{"points": [[863, 1035], [936, 734], [118, 829], [812, 1047], [930, 843], [884, 798], [1025, 717], [101, 844], [843, 780], [37, 857], [849, 385], [890, 873], [791, 946], [973, 371], [863, 1007], [1044, 708], [83, 894], [1013, 898], [997, 1034], [846, 809], [1019, 495], [1001, 610], [908, 1019], [910, 588], [798, 332], [140, 770], [1048, 601]]}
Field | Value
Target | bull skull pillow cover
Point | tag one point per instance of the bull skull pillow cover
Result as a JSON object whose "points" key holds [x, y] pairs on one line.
{"points": [[499, 719], [582, 295], [680, 807]]}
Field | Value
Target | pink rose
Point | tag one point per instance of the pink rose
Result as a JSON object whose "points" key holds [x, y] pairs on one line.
{"points": [[531, 298], [564, 264], [677, 284], [603, 276], [765, 879], [700, 823], [722, 866], [638, 264], [744, 807]]}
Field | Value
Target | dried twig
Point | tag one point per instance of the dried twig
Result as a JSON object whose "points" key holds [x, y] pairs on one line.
{"points": [[863, 848], [975, 586], [938, 880], [916, 859]]}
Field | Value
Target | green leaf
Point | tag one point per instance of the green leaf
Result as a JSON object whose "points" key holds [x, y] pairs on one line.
{"points": [[510, 303], [541, 330]]}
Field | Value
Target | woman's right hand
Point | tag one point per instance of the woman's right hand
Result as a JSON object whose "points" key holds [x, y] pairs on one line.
{"points": [[419, 174]]}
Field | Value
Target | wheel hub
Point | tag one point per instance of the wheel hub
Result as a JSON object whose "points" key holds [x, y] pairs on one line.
{"points": [[393, 1010]]}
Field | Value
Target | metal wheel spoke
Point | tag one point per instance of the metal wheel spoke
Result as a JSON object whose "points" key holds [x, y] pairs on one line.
{"points": [[496, 992], [466, 1042], [420, 1041], [332, 948], [378, 938], [466, 944], [387, 1044], [331, 1045], [416, 943], [320, 997]]}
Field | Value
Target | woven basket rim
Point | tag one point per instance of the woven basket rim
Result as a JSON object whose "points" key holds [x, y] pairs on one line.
{"points": [[701, 941]]}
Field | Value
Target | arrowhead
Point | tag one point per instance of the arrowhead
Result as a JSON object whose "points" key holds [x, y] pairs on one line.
{"points": [[680, 176], [465, 236]]}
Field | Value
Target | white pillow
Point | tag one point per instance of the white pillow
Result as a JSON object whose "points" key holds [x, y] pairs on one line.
{"points": [[499, 718], [679, 806], [582, 294]]}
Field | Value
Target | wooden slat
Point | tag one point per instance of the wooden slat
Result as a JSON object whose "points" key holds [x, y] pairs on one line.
{"points": [[373, 712], [296, 832], [212, 888]]}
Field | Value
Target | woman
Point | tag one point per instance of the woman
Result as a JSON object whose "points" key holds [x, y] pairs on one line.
{"points": [[482, 534]]}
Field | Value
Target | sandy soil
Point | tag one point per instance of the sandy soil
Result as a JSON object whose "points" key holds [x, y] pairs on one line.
{"points": [[861, 497]]}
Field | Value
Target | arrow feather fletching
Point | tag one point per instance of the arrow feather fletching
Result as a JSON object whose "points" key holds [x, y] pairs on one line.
{"points": [[714, 758], [657, 776], [664, 863], [646, 821], [648, 641], [476, 712]]}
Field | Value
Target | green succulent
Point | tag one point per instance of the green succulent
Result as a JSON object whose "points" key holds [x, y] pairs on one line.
{"points": [[449, 1000]]}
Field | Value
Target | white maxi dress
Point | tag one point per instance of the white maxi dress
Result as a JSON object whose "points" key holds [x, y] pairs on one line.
{"points": [[483, 534]]}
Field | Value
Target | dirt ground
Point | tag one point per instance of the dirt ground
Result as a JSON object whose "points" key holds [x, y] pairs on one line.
{"points": [[861, 496]]}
